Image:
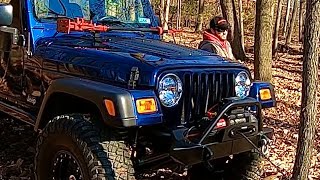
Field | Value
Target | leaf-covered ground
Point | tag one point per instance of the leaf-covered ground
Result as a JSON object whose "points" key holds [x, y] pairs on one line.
{"points": [[18, 139]]}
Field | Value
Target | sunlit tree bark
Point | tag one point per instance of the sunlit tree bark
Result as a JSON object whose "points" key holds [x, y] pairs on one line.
{"points": [[292, 22], [308, 119], [229, 12], [263, 40], [276, 28], [286, 18], [200, 16], [166, 15]]}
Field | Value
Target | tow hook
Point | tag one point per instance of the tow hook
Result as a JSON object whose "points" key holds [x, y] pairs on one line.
{"points": [[263, 143]]}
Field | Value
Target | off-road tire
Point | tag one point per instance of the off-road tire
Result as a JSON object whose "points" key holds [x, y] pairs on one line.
{"points": [[244, 166], [99, 159]]}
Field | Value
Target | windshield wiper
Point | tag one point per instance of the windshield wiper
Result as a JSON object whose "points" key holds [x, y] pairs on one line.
{"points": [[55, 16], [110, 20]]}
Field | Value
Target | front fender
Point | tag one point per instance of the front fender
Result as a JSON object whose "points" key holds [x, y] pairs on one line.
{"points": [[97, 92], [255, 93]]}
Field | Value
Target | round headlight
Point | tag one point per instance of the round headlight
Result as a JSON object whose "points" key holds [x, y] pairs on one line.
{"points": [[170, 90], [243, 84]]}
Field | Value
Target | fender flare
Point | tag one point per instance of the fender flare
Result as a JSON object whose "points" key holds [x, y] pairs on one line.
{"points": [[94, 92]]}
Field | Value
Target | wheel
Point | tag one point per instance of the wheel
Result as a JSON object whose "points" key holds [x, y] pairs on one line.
{"points": [[245, 166], [71, 147]]}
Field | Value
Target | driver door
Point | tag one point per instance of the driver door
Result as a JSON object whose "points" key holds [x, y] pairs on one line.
{"points": [[15, 85]]}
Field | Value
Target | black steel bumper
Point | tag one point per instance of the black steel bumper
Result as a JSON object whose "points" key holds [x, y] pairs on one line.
{"points": [[189, 152], [195, 154]]}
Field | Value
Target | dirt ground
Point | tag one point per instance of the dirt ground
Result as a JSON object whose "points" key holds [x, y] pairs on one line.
{"points": [[16, 150], [18, 139]]}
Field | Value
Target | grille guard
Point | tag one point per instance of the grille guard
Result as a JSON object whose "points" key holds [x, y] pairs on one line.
{"points": [[233, 103], [189, 153]]}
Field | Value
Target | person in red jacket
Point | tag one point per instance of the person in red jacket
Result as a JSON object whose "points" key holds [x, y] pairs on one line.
{"points": [[215, 38]]}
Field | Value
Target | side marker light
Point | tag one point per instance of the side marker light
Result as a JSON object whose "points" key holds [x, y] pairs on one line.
{"points": [[110, 107]]}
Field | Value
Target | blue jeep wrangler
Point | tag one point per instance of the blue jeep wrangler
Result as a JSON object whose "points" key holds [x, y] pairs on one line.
{"points": [[109, 98]]}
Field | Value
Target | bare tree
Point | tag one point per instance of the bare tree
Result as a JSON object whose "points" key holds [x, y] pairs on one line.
{"points": [[263, 40], [162, 12], [292, 22], [241, 24], [166, 15], [276, 28], [308, 120], [286, 18], [179, 14], [200, 16], [301, 17], [229, 12]]}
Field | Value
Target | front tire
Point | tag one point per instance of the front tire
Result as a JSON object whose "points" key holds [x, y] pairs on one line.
{"points": [[71, 147], [245, 166]]}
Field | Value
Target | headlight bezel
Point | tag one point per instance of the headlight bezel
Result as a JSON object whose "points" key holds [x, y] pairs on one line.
{"points": [[242, 87], [178, 87]]}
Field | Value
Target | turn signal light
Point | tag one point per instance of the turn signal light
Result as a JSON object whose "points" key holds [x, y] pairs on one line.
{"points": [[147, 105], [265, 94], [110, 107]]}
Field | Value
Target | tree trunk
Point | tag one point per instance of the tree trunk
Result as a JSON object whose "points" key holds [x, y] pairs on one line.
{"points": [[179, 15], [308, 120], [200, 16], [229, 12], [241, 24], [166, 16], [162, 12], [263, 40], [236, 44], [292, 22], [276, 28], [301, 18], [286, 18]]}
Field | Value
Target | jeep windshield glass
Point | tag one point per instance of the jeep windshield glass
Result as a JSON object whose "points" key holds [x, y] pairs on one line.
{"points": [[131, 13]]}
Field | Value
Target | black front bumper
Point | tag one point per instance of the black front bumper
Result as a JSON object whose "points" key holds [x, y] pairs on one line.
{"points": [[195, 154], [189, 152]]}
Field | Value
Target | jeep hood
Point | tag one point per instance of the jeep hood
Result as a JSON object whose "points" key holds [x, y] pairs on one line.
{"points": [[112, 58]]}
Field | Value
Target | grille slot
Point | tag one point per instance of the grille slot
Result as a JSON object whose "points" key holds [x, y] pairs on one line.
{"points": [[202, 90]]}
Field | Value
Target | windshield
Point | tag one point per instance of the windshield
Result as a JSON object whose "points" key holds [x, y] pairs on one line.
{"points": [[115, 12]]}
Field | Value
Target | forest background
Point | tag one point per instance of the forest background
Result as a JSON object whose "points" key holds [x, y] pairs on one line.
{"points": [[285, 25]]}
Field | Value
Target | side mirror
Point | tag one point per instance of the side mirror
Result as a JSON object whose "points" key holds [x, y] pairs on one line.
{"points": [[6, 14]]}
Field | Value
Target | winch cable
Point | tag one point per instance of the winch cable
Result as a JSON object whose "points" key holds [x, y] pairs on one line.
{"points": [[281, 170]]}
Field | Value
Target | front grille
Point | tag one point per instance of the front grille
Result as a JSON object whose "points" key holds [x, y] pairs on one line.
{"points": [[201, 91]]}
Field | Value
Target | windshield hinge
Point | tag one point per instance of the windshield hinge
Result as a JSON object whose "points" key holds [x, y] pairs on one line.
{"points": [[29, 52], [134, 76]]}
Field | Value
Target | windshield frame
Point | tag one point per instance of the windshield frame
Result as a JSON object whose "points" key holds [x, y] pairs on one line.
{"points": [[148, 14]]}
